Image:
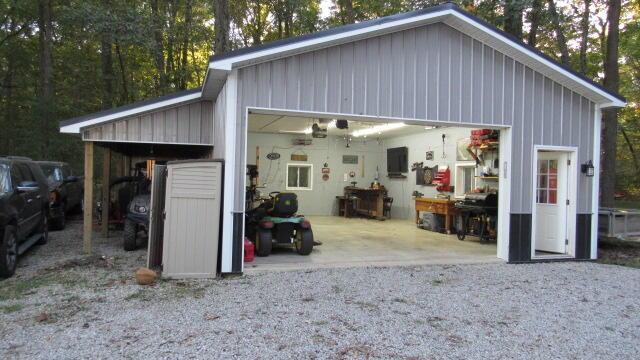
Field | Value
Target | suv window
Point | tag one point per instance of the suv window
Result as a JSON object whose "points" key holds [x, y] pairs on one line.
{"points": [[66, 171], [5, 180], [16, 175], [52, 173], [26, 172]]}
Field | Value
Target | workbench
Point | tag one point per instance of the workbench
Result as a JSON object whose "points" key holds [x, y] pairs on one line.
{"points": [[370, 202], [437, 206]]}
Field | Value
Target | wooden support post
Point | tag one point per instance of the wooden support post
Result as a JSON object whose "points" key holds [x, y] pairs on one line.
{"points": [[106, 178], [126, 163], [88, 198]]}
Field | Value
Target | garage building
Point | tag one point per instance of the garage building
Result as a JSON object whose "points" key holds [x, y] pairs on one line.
{"points": [[425, 81]]}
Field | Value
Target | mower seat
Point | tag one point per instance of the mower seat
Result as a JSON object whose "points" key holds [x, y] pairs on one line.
{"points": [[284, 205]]}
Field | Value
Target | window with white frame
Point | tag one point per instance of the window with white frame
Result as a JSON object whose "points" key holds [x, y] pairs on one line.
{"points": [[299, 176], [465, 178]]}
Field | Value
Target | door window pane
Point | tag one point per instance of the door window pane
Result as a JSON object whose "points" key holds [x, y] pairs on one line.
{"points": [[542, 181], [542, 196], [553, 197]]}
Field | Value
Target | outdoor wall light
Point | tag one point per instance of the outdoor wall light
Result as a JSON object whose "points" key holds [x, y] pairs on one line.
{"points": [[588, 169]]}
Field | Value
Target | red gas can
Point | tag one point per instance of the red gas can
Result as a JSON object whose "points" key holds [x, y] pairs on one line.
{"points": [[249, 250]]}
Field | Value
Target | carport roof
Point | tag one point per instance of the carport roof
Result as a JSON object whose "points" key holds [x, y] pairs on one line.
{"points": [[448, 13], [75, 124]]}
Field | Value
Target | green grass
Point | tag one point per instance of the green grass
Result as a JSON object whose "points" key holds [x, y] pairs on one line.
{"points": [[634, 262], [8, 309], [619, 252], [628, 204], [12, 289]]}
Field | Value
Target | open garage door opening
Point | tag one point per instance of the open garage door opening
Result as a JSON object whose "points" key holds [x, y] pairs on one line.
{"points": [[371, 192]]}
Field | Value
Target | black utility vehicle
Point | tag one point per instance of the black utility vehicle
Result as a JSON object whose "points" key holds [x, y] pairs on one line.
{"points": [[66, 192], [24, 204]]}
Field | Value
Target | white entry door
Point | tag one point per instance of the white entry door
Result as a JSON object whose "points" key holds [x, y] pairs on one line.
{"points": [[551, 202]]}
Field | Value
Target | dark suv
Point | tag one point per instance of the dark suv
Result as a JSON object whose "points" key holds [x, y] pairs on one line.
{"points": [[24, 203], [66, 192]]}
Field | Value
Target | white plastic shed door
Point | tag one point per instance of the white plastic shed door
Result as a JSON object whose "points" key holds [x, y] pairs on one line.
{"points": [[192, 221]]}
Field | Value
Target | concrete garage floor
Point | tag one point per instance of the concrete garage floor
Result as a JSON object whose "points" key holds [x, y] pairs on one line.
{"points": [[360, 242]]}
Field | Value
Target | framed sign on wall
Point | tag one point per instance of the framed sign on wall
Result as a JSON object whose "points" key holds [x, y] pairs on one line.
{"points": [[350, 159]]}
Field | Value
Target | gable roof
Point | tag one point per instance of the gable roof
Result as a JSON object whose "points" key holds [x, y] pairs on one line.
{"points": [[448, 13]]}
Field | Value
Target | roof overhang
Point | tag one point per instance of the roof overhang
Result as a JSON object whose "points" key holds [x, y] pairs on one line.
{"points": [[75, 125], [220, 66]]}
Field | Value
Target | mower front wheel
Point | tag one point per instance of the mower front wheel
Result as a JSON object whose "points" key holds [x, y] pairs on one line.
{"points": [[304, 241], [264, 240]]}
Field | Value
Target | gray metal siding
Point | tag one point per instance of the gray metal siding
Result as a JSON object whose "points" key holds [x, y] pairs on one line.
{"points": [[431, 73], [186, 124], [219, 116]]}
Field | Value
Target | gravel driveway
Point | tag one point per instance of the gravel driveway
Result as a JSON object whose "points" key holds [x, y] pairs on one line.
{"points": [[63, 305]]}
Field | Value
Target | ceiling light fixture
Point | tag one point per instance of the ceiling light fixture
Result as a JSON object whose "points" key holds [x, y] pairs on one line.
{"points": [[378, 129]]}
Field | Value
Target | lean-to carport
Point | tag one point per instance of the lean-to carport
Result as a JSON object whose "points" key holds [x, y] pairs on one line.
{"points": [[176, 126]]}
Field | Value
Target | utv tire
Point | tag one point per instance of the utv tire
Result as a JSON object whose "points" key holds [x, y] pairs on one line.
{"points": [[264, 242], [304, 241], [44, 229], [8, 252], [130, 235]]}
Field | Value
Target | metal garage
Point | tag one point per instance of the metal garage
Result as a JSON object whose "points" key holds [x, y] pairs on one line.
{"points": [[436, 67]]}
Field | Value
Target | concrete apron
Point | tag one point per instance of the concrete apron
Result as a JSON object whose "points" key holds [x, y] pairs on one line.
{"points": [[357, 242]]}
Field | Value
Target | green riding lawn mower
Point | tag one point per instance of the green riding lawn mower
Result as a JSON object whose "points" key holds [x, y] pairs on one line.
{"points": [[275, 221]]}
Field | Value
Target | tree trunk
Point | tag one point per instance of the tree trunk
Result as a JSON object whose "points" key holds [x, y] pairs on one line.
{"points": [[6, 141], [221, 43], [560, 39], [534, 19], [632, 150], [188, 20], [348, 14], [584, 37], [45, 96], [513, 17], [123, 74], [106, 60], [158, 48], [172, 74], [610, 118]]}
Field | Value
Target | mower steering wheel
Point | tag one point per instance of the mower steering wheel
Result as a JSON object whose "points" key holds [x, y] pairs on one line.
{"points": [[273, 194]]}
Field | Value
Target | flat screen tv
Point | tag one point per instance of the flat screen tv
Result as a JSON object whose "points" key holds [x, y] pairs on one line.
{"points": [[398, 160]]}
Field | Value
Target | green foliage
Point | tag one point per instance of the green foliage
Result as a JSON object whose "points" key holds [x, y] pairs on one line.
{"points": [[186, 39]]}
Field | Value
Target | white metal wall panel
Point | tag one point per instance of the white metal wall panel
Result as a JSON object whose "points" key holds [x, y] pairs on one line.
{"points": [[192, 224]]}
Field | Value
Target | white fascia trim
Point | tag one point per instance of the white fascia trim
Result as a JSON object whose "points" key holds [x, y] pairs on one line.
{"points": [[226, 257], [504, 200], [75, 128], [229, 63], [595, 185]]}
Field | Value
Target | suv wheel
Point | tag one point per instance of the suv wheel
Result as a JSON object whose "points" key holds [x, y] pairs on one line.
{"points": [[130, 235], [8, 252], [59, 223], [44, 229]]}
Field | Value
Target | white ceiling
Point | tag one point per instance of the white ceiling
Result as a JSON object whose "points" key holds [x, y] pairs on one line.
{"points": [[281, 124]]}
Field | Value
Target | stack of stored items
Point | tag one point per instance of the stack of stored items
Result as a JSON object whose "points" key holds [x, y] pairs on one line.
{"points": [[432, 222], [442, 179], [484, 137]]}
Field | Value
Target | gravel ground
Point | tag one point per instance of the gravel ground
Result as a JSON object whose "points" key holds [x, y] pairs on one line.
{"points": [[63, 305]]}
